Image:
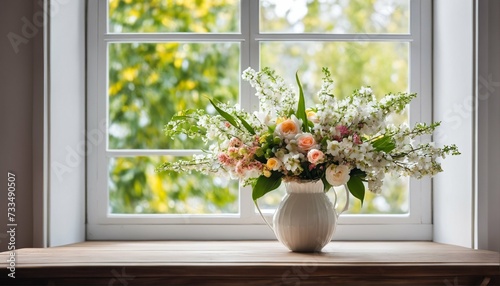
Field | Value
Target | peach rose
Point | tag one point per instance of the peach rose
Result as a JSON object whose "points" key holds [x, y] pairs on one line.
{"points": [[273, 164], [337, 175], [288, 128], [305, 141], [315, 156]]}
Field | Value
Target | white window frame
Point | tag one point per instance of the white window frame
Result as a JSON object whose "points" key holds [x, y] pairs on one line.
{"points": [[416, 225]]}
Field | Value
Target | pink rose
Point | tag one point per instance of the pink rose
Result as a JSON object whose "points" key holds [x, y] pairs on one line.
{"points": [[305, 141], [315, 156]]}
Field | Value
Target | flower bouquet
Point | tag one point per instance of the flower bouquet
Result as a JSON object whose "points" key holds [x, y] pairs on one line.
{"points": [[345, 141]]}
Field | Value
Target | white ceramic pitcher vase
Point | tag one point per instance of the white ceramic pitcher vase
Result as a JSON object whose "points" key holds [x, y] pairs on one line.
{"points": [[306, 219]]}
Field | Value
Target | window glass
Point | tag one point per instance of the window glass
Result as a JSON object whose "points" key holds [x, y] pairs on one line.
{"points": [[174, 16], [150, 82], [334, 16], [381, 65], [394, 199], [135, 188]]}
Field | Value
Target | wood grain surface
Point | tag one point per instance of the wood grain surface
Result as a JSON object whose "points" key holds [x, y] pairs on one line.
{"points": [[251, 263]]}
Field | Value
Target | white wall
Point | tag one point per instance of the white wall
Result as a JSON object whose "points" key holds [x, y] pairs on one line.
{"points": [[67, 123], [453, 97]]}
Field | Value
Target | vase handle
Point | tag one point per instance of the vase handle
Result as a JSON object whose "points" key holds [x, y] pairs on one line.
{"points": [[263, 217], [346, 206]]}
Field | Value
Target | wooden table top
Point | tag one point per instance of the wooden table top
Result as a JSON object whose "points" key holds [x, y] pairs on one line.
{"points": [[260, 260], [247, 252]]}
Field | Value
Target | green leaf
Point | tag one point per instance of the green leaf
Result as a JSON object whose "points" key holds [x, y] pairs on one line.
{"points": [[357, 188], [247, 126], [326, 185], [271, 129], [264, 185], [384, 143], [226, 115], [358, 173], [301, 108]]}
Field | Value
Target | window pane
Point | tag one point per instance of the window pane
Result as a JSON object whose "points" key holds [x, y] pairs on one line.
{"points": [[174, 16], [150, 82], [394, 199], [135, 188], [381, 65], [334, 16]]}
